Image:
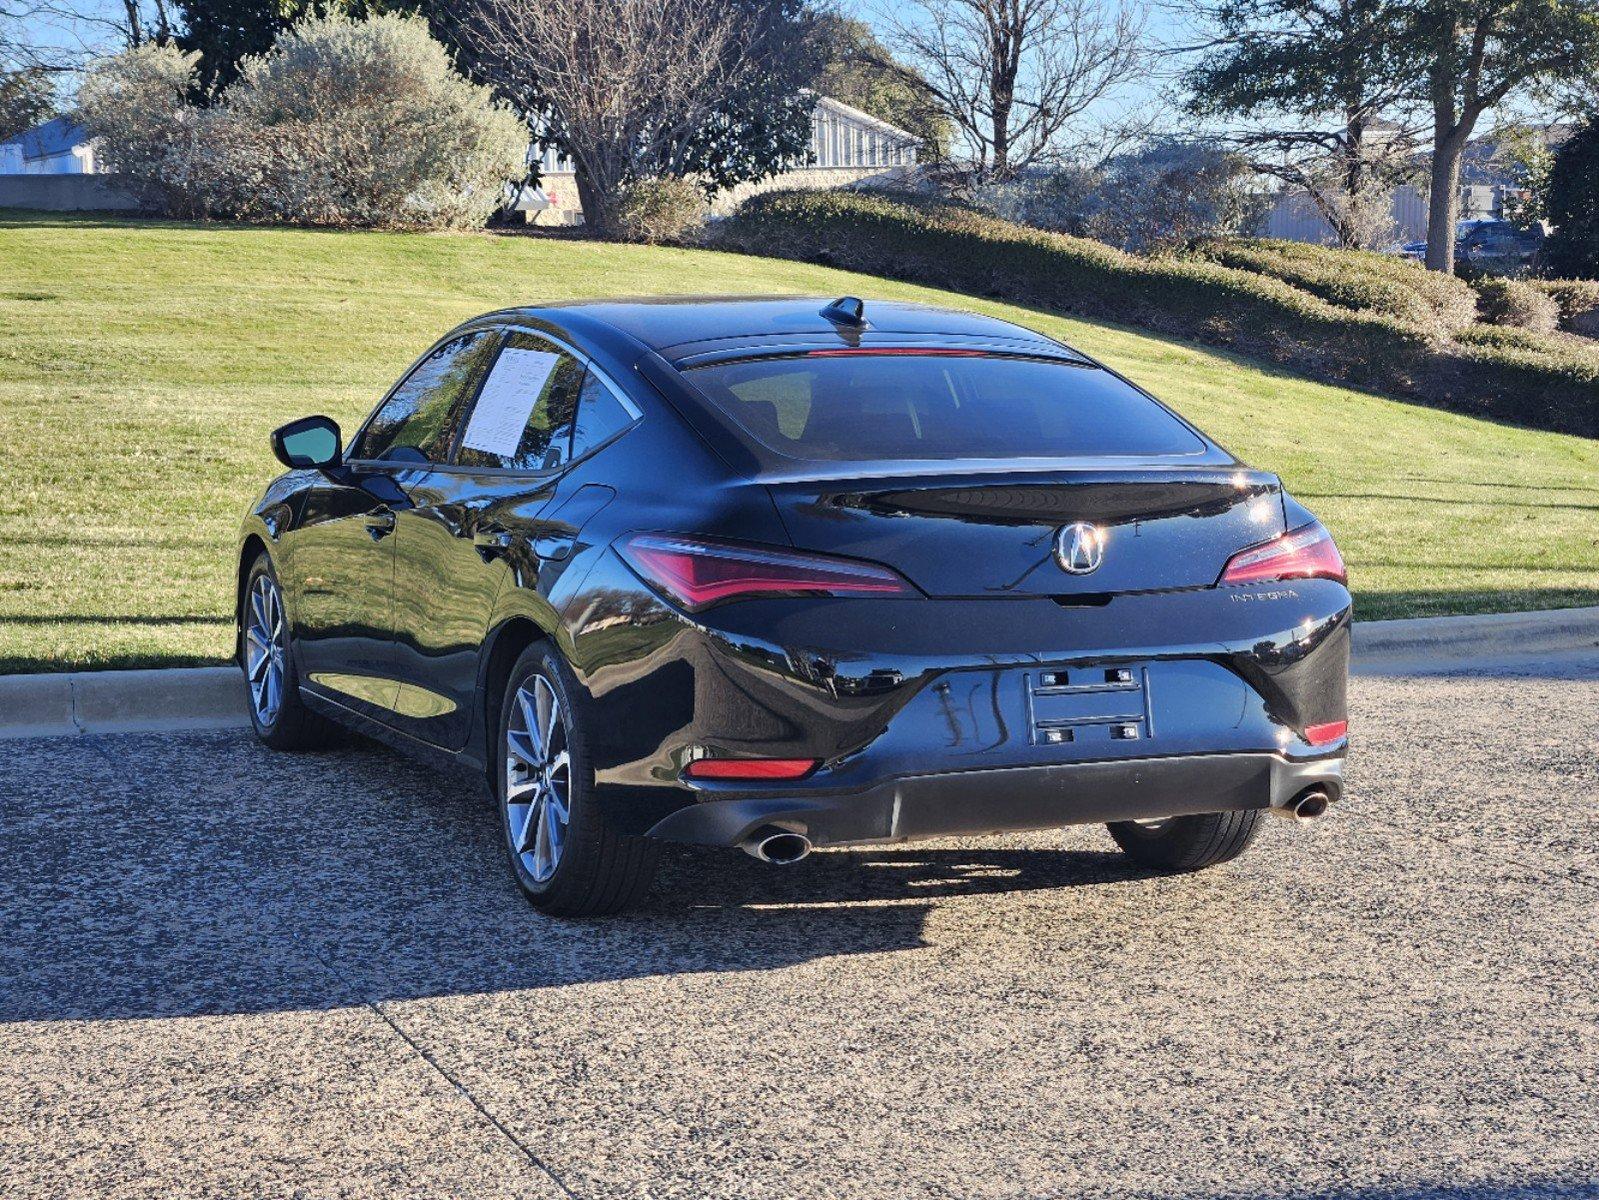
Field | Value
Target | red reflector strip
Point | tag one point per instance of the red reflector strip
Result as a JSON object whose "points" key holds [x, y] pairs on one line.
{"points": [[751, 768], [1320, 735]]}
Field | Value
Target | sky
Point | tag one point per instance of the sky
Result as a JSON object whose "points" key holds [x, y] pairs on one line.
{"points": [[1165, 27]]}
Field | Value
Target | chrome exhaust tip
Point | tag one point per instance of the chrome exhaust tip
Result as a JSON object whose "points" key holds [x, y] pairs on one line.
{"points": [[780, 847], [1309, 805]]}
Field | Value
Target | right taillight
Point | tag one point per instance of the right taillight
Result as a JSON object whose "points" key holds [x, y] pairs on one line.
{"points": [[1304, 553]]}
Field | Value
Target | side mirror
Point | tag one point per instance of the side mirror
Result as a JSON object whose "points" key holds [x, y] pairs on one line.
{"points": [[308, 442]]}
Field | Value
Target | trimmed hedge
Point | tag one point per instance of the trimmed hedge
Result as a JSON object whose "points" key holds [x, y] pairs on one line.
{"points": [[1359, 280], [954, 247]]}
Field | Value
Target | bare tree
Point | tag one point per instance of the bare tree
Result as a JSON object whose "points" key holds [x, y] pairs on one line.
{"points": [[626, 88], [57, 35], [1013, 75]]}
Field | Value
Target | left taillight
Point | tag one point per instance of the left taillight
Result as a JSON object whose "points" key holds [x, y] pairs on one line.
{"points": [[697, 573], [1304, 553]]}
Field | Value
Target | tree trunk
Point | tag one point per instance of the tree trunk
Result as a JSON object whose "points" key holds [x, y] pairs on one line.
{"points": [[599, 206], [1443, 199], [1001, 142]]}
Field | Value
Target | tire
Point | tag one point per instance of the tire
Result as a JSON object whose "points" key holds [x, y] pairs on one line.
{"points": [[578, 867], [286, 723], [1188, 843]]}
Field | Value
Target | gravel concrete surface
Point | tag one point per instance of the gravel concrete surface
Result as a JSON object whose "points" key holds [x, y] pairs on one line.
{"points": [[227, 972]]}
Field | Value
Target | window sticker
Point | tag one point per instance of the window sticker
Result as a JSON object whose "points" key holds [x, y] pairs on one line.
{"points": [[506, 402]]}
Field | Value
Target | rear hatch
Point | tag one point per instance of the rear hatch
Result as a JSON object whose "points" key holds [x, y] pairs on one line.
{"points": [[965, 468], [955, 534]]}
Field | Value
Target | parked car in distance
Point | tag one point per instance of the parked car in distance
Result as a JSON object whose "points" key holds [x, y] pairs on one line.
{"points": [[785, 573], [1489, 247]]}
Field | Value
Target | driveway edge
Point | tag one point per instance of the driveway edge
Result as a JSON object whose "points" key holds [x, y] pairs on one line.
{"points": [[179, 699]]}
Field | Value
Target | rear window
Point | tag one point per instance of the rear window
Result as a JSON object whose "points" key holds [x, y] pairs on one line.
{"points": [[926, 406]]}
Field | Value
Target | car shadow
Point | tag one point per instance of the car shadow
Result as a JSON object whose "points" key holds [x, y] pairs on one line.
{"points": [[153, 877]]}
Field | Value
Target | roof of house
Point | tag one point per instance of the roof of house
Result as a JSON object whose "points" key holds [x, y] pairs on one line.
{"points": [[849, 112], [58, 136]]}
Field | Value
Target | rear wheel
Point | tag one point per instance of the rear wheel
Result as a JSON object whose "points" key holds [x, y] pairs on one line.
{"points": [[566, 857], [279, 717], [1188, 843]]}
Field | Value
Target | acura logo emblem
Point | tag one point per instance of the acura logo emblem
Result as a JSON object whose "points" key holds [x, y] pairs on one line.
{"points": [[1079, 548]]}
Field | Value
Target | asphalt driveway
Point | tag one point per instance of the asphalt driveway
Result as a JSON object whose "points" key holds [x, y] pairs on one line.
{"points": [[225, 972]]}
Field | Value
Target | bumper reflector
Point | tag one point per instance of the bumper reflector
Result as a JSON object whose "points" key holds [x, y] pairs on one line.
{"points": [[750, 768], [1320, 735]]}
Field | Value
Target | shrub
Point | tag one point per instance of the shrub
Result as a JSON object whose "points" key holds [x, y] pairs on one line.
{"points": [[367, 123], [135, 107], [1578, 300], [659, 210], [1540, 383], [1059, 201], [1573, 206], [341, 123], [1161, 196], [1517, 304]]}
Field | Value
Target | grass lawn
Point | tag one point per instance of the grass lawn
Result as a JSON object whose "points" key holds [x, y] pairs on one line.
{"points": [[142, 365]]}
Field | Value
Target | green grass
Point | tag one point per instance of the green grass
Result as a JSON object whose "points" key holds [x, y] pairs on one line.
{"points": [[142, 365]]}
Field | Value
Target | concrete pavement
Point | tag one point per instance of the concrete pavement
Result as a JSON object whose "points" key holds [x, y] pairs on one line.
{"points": [[225, 972]]}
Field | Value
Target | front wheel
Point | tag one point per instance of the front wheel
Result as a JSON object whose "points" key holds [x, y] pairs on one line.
{"points": [[278, 715], [567, 859], [1188, 843]]}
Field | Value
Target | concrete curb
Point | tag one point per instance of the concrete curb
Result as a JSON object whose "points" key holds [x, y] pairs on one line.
{"points": [[173, 700], [1494, 635], [122, 701]]}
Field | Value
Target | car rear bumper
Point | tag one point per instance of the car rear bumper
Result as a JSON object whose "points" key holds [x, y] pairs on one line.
{"points": [[969, 803], [927, 717]]}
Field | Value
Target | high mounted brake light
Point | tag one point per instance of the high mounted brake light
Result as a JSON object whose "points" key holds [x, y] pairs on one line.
{"points": [[698, 573], [895, 352], [1304, 553]]}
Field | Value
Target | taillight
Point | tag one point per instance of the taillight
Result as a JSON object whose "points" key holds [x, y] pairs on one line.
{"points": [[699, 573], [751, 768], [1304, 553]]}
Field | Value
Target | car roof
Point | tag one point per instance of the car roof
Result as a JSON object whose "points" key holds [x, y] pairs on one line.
{"points": [[680, 327]]}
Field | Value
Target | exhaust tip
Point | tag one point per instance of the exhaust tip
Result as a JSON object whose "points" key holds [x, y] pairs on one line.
{"points": [[779, 847], [1309, 805]]}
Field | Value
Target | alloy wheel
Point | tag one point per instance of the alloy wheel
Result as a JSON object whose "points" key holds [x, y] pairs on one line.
{"points": [[264, 650], [538, 779]]}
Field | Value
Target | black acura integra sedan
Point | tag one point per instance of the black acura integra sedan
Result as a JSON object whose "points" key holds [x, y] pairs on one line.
{"points": [[784, 573]]}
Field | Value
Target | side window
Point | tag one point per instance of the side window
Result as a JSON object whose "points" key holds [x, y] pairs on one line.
{"points": [[417, 422], [601, 415], [523, 415]]}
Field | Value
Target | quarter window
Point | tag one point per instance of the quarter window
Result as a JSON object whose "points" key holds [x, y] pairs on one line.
{"points": [[417, 422], [523, 416], [601, 415]]}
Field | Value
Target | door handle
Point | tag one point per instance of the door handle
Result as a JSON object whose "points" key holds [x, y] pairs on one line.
{"points": [[492, 542], [380, 524]]}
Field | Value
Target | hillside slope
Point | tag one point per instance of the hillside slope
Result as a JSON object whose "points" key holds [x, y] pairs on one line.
{"points": [[144, 363]]}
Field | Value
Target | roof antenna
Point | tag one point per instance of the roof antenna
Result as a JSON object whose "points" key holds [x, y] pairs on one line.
{"points": [[847, 310]]}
